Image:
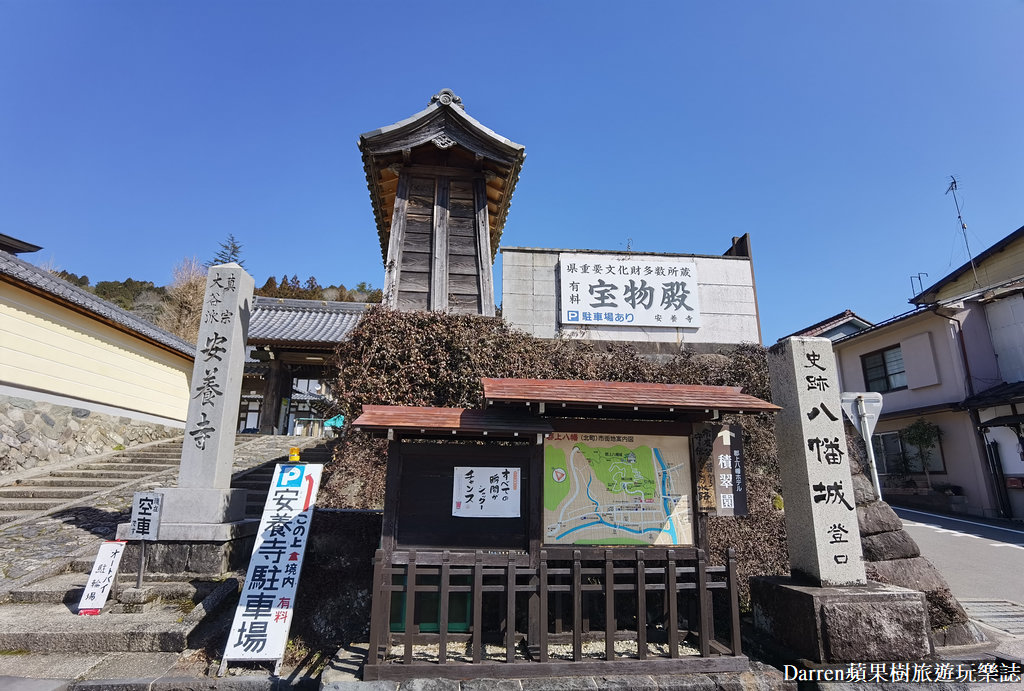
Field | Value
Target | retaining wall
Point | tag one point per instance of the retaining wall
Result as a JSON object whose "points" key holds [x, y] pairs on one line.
{"points": [[36, 433]]}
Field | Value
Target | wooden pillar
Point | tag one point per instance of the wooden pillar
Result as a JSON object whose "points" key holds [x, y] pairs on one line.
{"points": [[483, 243], [439, 254], [271, 398]]}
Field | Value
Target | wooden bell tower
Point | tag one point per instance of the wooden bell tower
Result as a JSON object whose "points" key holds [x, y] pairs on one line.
{"points": [[440, 184]]}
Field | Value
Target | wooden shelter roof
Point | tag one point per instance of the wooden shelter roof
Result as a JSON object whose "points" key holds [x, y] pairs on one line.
{"points": [[449, 421], [646, 397], [440, 136]]}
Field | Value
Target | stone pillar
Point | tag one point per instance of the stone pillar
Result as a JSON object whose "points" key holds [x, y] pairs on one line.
{"points": [[826, 612], [821, 513], [203, 507]]}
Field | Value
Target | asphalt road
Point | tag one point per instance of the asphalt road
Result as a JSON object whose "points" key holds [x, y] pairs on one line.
{"points": [[979, 560]]}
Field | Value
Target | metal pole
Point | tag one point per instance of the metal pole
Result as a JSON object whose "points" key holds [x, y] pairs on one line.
{"points": [[862, 410], [142, 562]]}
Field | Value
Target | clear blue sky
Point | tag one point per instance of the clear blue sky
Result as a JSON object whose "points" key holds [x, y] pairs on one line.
{"points": [[133, 134]]}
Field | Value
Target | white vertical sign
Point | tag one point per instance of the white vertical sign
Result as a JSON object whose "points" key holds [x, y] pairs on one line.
{"points": [[264, 613], [101, 580], [145, 521]]}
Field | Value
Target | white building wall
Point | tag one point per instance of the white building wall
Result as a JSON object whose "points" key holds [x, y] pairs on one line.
{"points": [[1006, 328]]}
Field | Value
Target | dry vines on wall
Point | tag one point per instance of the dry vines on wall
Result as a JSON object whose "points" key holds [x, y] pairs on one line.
{"points": [[433, 359]]}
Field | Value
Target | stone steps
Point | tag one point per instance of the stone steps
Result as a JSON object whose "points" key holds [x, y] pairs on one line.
{"points": [[56, 481], [68, 587], [257, 480], [46, 492], [129, 467], [41, 617], [19, 504], [54, 628], [13, 516], [123, 475]]}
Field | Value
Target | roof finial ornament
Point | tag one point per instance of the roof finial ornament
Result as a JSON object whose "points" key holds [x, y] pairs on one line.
{"points": [[446, 97]]}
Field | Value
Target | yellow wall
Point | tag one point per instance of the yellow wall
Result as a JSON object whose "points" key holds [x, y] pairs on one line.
{"points": [[999, 268], [46, 346]]}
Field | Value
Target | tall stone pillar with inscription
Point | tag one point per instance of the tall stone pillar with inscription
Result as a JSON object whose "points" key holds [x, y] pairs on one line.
{"points": [[826, 611], [203, 507]]}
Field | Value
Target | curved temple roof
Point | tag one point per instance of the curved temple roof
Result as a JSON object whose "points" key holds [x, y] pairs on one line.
{"points": [[445, 127]]}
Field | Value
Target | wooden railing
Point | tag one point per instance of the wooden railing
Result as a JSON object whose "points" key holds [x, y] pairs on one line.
{"points": [[669, 601]]}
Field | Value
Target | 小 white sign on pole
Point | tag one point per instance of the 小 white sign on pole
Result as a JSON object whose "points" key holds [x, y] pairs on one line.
{"points": [[145, 520], [263, 616]]}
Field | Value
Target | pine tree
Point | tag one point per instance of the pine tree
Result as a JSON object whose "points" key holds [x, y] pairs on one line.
{"points": [[230, 251], [269, 288]]}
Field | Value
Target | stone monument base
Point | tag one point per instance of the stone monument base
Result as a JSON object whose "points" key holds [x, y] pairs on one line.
{"points": [[188, 549], [190, 505], [202, 531], [861, 623]]}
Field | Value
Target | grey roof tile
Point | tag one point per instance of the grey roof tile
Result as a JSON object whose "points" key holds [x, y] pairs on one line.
{"points": [[311, 322], [19, 271]]}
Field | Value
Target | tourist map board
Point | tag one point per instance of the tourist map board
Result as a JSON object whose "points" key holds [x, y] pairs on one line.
{"points": [[617, 489]]}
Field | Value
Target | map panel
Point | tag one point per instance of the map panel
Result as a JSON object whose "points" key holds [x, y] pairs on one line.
{"points": [[617, 489]]}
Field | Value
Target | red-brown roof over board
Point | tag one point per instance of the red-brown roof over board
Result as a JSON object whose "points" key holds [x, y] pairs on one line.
{"points": [[467, 421], [619, 394]]}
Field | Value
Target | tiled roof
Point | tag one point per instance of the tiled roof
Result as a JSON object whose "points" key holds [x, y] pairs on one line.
{"points": [[830, 323], [930, 293], [448, 420], [620, 395], [276, 321], [41, 281]]}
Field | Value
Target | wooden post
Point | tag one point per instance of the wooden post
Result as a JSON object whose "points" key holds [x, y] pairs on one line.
{"points": [[439, 253], [734, 601], [410, 606], [703, 602], [577, 607], [641, 605], [442, 642], [510, 610], [672, 598], [609, 606], [543, 638], [393, 270], [483, 245], [478, 601], [379, 609]]}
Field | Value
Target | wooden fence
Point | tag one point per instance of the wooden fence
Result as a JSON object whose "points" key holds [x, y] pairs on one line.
{"points": [[508, 618]]}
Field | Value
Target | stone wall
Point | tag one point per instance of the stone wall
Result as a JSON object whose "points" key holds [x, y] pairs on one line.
{"points": [[35, 433]]}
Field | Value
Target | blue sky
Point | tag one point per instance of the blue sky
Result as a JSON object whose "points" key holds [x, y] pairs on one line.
{"points": [[134, 134]]}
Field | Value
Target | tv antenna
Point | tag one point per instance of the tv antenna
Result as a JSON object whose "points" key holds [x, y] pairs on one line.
{"points": [[920, 286], [963, 228]]}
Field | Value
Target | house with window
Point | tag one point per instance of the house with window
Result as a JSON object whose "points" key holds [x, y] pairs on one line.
{"points": [[955, 361]]}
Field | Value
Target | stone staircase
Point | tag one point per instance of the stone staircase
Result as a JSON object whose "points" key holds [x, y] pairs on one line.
{"points": [[257, 479], [39, 612], [77, 484]]}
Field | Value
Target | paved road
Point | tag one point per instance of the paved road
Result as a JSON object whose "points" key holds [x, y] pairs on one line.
{"points": [[979, 560]]}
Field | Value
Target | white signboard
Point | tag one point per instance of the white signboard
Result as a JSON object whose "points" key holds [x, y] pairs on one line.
{"points": [[101, 580], [263, 617], [145, 521], [480, 492], [628, 290]]}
